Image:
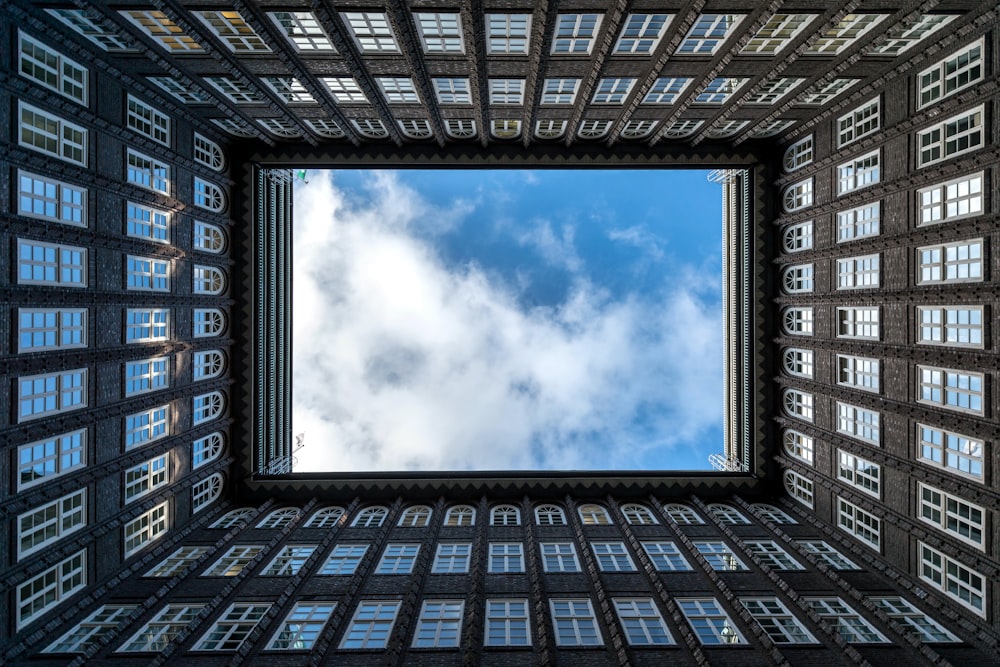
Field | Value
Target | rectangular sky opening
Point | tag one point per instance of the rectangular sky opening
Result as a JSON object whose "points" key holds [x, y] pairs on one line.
{"points": [[462, 320]]}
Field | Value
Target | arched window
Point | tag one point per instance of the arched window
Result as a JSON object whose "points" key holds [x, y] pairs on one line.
{"points": [[799, 446], [798, 154], [682, 128], [798, 404], [208, 364], [208, 238], [638, 129], [773, 514], [594, 515], [799, 487], [593, 129], [279, 518], [208, 153], [207, 407], [325, 127], [798, 196], [550, 129], [416, 128], [683, 515], [208, 280], [326, 518], [506, 129], [233, 518], [725, 129], [415, 517], [797, 321], [549, 515], [638, 515], [206, 492], [728, 515], [798, 279], [370, 517], [208, 195], [460, 515], [208, 322], [798, 362], [209, 448], [370, 128], [460, 128], [505, 515], [798, 237]]}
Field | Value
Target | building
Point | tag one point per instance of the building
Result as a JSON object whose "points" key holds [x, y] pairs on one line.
{"points": [[149, 514]]}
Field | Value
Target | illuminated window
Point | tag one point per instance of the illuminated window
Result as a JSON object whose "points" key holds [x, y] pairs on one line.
{"points": [[167, 34], [234, 31]]}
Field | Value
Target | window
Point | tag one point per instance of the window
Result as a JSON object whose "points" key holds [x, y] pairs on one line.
{"points": [[574, 623], [77, 20], [550, 129], [235, 127], [371, 625], [50, 264], [951, 75], [182, 90], [719, 90], [345, 89], [289, 89], [858, 372], [147, 527], [51, 457], [208, 153], [953, 515], [45, 133], [727, 515], [208, 195], [208, 322], [642, 622], [144, 325], [560, 91], [207, 364], [575, 33], [460, 515], [176, 563], [777, 621], [798, 362], [771, 128], [147, 121], [167, 34], [859, 173], [507, 623], [955, 326], [708, 34], [719, 555], [904, 35], [798, 196], [371, 31], [506, 91], [666, 90], [207, 407], [798, 321], [144, 427], [779, 31], [398, 90], [439, 624], [725, 129], [848, 31], [951, 262], [638, 515], [612, 91], [711, 624], [233, 561], [859, 523], [861, 323], [89, 633], [860, 473], [146, 477], [41, 329], [147, 375], [232, 628], [851, 626], [146, 172], [827, 91], [549, 515], [279, 518], [773, 90], [398, 559], [641, 33], [682, 515], [416, 517], [205, 492], [208, 238], [773, 514], [951, 389], [799, 487], [899, 609], [506, 557], [160, 632], [208, 280], [452, 91], [328, 517], [559, 557], [439, 32], [505, 515], [233, 30], [370, 517], [859, 123], [799, 154], [370, 128], [956, 135], [954, 579], [858, 272], [51, 393], [460, 128], [325, 127], [952, 200], [40, 527], [666, 557], [508, 33], [612, 557], [303, 30], [799, 404], [147, 223], [276, 126], [51, 587], [48, 199], [452, 558], [954, 452], [799, 446], [859, 423], [301, 628], [344, 559], [147, 274], [594, 515], [825, 553], [772, 555], [233, 518], [289, 561], [236, 91], [637, 129]]}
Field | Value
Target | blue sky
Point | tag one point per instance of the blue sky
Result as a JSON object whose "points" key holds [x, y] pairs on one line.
{"points": [[485, 319]]}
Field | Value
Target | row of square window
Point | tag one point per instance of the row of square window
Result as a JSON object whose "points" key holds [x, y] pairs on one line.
{"points": [[506, 622], [952, 326]]}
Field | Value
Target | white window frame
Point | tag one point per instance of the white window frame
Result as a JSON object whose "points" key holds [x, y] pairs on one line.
{"points": [[797, 321], [50, 588], [719, 555], [798, 154], [956, 453], [798, 361], [302, 626], [574, 622], [554, 515], [559, 557], [303, 31], [773, 514], [710, 622], [343, 560], [162, 30], [50, 68], [863, 525], [708, 34], [233, 30], [418, 516], [772, 555], [50, 264], [55, 136], [638, 515], [961, 70], [951, 326], [862, 272], [848, 32], [206, 491], [371, 31], [851, 626], [45, 198], [146, 375], [234, 561], [956, 262], [859, 423], [861, 373], [641, 33], [328, 517], [142, 428], [454, 90], [146, 172], [507, 623], [46, 524], [799, 488], [289, 561], [951, 389], [642, 622], [92, 631], [780, 624], [666, 556], [145, 478], [207, 449], [575, 33], [906, 614], [460, 515], [182, 90], [48, 394], [593, 515], [289, 89], [146, 528], [398, 558], [147, 223], [953, 578], [452, 558], [682, 515], [955, 199], [209, 237], [51, 457], [440, 32], [209, 196], [861, 172], [798, 279], [147, 120], [209, 322], [612, 90], [859, 123], [161, 630], [827, 554], [612, 557], [371, 626], [370, 517], [798, 404], [778, 32], [953, 515], [859, 323], [506, 558], [719, 90], [798, 196], [43, 329], [398, 89], [233, 627], [666, 90], [210, 280], [439, 624], [862, 474], [962, 133], [208, 153], [207, 407], [799, 446], [508, 34], [859, 223], [827, 92], [505, 515], [207, 364]]}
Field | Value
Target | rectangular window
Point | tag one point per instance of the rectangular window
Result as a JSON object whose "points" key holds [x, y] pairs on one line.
{"points": [[233, 561], [859, 473], [51, 522], [91, 632], [146, 477], [236, 91], [858, 272], [575, 33], [848, 32], [440, 32], [709, 33], [232, 628], [43, 64], [160, 632], [773, 555], [303, 30], [952, 389], [439, 624], [827, 91], [289, 89], [50, 458], [954, 326], [301, 628], [452, 559], [719, 90], [560, 91], [508, 33], [612, 557], [506, 557], [145, 528], [345, 90], [612, 90], [929, 630], [51, 135], [966, 586], [398, 90], [559, 557], [147, 325], [147, 120], [859, 523], [147, 274], [953, 515], [952, 200], [719, 555], [860, 423], [779, 31], [777, 621], [289, 561], [398, 559], [773, 90], [858, 223], [506, 91], [177, 562], [903, 36], [51, 393], [42, 329], [40, 263], [642, 622], [344, 559], [574, 623], [861, 323], [954, 136], [710, 622], [666, 90], [146, 222], [371, 625], [851, 626], [861, 122], [146, 172], [147, 375], [858, 372], [371, 31], [952, 451], [167, 34], [146, 426], [827, 554], [452, 91], [507, 623], [184, 92], [50, 588], [960, 262], [641, 33], [666, 556], [234, 31], [951, 75], [45, 198]]}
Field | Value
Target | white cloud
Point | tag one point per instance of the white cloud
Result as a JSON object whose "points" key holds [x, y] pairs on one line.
{"points": [[401, 364]]}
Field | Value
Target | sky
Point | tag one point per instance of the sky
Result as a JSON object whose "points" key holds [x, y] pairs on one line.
{"points": [[507, 319]]}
